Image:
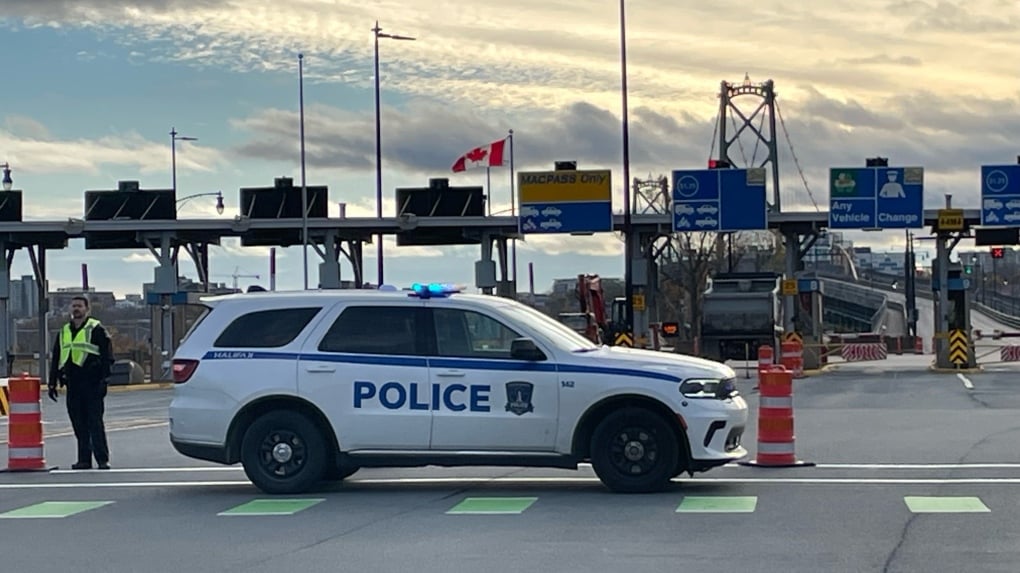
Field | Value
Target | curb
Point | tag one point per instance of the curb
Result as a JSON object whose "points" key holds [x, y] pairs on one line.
{"points": [[937, 370], [138, 387]]}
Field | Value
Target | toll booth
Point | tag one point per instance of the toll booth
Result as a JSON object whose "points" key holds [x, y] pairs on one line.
{"points": [[958, 350], [808, 321]]}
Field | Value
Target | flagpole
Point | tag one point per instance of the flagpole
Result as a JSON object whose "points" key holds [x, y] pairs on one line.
{"points": [[488, 188], [513, 212]]}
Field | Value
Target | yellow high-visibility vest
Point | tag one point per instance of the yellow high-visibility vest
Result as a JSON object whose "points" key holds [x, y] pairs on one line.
{"points": [[78, 346]]}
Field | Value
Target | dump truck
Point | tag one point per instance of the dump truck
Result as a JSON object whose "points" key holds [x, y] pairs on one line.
{"points": [[740, 312]]}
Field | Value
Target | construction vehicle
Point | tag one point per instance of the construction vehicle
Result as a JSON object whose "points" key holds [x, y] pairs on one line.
{"points": [[740, 312], [591, 321]]}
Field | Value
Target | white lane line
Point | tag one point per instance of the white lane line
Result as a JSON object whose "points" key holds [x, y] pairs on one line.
{"points": [[966, 381], [833, 466], [536, 480], [151, 470]]}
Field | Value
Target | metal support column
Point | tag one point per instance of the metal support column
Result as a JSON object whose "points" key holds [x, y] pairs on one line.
{"points": [[6, 365], [355, 255], [329, 268], [485, 267], [640, 268], [942, 302], [507, 286], [199, 253], [792, 241], [37, 254]]}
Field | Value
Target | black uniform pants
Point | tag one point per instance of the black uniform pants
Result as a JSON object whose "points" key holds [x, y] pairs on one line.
{"points": [[85, 407]]}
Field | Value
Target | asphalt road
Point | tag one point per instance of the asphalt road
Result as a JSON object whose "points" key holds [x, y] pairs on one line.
{"points": [[915, 472]]}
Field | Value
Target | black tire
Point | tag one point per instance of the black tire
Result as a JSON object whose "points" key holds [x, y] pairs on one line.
{"points": [[634, 450], [284, 453], [334, 473]]}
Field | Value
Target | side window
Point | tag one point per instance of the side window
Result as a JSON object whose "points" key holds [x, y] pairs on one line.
{"points": [[266, 328], [374, 330], [469, 334]]}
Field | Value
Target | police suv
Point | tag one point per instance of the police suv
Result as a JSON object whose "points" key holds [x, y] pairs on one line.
{"points": [[308, 386]]}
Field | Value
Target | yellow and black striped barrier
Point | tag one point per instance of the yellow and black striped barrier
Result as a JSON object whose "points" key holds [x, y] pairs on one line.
{"points": [[958, 347], [624, 339], [5, 398]]}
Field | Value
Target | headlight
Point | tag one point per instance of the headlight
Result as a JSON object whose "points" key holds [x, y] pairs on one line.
{"points": [[708, 388]]}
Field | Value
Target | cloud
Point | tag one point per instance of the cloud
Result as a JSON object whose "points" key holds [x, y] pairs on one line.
{"points": [[28, 144]]}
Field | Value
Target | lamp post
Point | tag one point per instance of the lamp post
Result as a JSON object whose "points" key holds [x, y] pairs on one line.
{"points": [[217, 194], [627, 228], [378, 146], [7, 182], [174, 138]]}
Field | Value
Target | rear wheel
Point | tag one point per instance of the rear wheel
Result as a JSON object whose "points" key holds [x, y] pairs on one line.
{"points": [[283, 453], [633, 450]]}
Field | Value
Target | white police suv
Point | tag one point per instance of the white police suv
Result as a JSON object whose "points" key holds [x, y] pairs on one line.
{"points": [[305, 386]]}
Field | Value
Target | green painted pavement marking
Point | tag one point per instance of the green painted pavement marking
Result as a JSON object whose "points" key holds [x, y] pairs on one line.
{"points": [[717, 504], [52, 509], [492, 505], [918, 504], [271, 507]]}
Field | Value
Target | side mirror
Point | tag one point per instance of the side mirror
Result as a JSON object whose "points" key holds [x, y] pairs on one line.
{"points": [[525, 349]]}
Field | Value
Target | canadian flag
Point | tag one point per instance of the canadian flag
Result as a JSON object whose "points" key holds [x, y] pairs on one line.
{"points": [[490, 155]]}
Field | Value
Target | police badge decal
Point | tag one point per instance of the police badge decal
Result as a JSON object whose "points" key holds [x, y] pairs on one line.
{"points": [[518, 397]]}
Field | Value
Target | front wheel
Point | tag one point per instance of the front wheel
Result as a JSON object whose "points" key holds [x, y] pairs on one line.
{"points": [[634, 450], [283, 453]]}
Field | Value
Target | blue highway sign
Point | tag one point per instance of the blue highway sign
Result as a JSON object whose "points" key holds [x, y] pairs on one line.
{"points": [[1000, 195], [566, 217], [568, 201], [719, 200], [876, 197]]}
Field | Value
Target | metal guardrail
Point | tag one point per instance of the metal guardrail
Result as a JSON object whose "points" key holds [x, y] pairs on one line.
{"points": [[883, 282], [864, 297]]}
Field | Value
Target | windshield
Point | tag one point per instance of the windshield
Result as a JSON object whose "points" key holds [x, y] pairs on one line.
{"points": [[557, 332]]}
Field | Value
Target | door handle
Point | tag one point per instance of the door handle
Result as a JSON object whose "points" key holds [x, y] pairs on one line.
{"points": [[451, 373], [317, 369]]}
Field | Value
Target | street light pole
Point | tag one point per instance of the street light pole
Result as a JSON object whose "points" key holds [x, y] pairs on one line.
{"points": [[377, 31], [304, 188], [174, 138], [627, 230]]}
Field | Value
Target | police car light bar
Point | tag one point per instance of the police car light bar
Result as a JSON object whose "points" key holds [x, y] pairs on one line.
{"points": [[430, 290]]}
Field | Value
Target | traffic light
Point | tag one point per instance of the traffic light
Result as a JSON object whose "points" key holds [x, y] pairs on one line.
{"points": [[718, 164], [998, 252], [968, 269]]}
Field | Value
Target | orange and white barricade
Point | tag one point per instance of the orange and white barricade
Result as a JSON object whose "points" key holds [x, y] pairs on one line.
{"points": [[24, 429], [766, 358], [793, 358], [775, 420]]}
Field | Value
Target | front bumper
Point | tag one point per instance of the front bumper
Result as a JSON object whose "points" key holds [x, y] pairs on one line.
{"points": [[715, 430]]}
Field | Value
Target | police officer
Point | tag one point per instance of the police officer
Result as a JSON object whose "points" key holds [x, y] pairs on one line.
{"points": [[81, 361]]}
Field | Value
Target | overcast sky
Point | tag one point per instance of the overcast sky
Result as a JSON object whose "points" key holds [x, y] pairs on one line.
{"points": [[92, 88]]}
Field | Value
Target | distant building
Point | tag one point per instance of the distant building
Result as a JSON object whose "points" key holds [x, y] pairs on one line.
{"points": [[24, 301], [60, 300]]}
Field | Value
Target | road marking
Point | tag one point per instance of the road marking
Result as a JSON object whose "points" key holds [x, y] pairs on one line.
{"points": [[156, 470], [934, 466], [966, 381], [53, 509], [535, 480], [918, 504], [271, 507], [492, 506], [860, 466], [717, 504]]}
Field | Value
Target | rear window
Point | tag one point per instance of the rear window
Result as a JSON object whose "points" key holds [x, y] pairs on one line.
{"points": [[266, 328], [194, 314]]}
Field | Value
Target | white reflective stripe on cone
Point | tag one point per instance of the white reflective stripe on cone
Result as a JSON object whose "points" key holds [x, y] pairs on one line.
{"points": [[25, 408], [775, 447], [24, 453], [776, 401]]}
